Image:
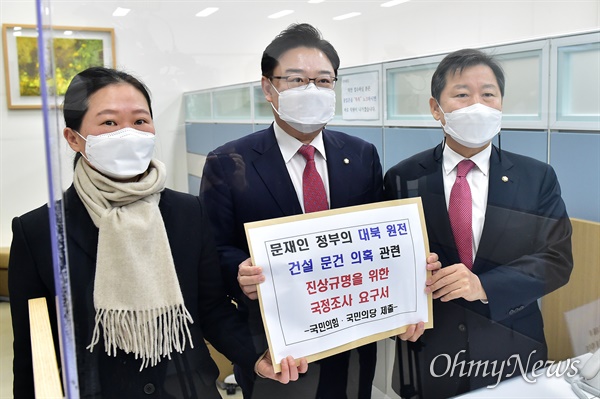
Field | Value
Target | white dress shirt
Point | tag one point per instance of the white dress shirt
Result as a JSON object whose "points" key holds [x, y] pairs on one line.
{"points": [[478, 180], [295, 162]]}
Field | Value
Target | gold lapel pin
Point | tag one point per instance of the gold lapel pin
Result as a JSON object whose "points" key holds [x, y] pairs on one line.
{"points": [[504, 179], [346, 161]]}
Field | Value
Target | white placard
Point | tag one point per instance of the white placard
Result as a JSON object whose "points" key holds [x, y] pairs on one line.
{"points": [[584, 327], [341, 278], [360, 96]]}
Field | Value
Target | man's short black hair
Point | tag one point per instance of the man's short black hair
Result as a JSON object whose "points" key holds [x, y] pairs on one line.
{"points": [[297, 35], [459, 61]]}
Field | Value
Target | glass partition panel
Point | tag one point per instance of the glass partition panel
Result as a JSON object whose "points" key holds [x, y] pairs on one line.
{"points": [[575, 89], [41, 57], [526, 69], [262, 108], [578, 75], [408, 89], [232, 103], [523, 90], [197, 106]]}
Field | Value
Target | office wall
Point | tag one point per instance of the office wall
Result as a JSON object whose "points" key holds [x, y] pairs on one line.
{"points": [[174, 52]]}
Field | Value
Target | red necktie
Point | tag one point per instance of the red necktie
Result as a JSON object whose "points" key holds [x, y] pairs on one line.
{"points": [[315, 198], [460, 211]]}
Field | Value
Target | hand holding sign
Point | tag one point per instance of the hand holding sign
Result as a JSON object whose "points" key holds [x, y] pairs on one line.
{"points": [[249, 276]]}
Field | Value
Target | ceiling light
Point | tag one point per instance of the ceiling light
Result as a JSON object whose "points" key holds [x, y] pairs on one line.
{"points": [[207, 11], [346, 16], [394, 3], [315, 1], [121, 12], [68, 32], [16, 28], [280, 14]]}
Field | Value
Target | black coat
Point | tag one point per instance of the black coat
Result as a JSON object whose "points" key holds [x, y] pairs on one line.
{"points": [[191, 374]]}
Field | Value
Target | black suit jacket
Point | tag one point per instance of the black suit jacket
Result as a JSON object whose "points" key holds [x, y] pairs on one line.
{"points": [[191, 374], [247, 180], [524, 253]]}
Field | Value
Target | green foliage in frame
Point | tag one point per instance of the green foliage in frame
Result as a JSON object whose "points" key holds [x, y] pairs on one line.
{"points": [[73, 49]]}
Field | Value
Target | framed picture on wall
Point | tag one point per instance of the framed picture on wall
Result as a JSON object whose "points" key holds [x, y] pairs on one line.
{"points": [[73, 50]]}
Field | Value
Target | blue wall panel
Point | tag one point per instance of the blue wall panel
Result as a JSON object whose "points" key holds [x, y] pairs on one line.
{"points": [[202, 138], [574, 156], [401, 143], [529, 143], [193, 185], [576, 159]]}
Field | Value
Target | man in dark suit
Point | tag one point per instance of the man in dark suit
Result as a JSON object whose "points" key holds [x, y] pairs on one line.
{"points": [[515, 247], [260, 176]]}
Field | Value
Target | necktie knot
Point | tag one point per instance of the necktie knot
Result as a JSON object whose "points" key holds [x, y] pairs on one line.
{"points": [[464, 167], [308, 152]]}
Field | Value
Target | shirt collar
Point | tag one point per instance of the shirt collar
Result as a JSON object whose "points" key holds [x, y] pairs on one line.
{"points": [[452, 158], [289, 145]]}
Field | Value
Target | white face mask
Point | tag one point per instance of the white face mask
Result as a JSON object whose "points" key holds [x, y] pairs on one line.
{"points": [[473, 126], [122, 154], [306, 109]]}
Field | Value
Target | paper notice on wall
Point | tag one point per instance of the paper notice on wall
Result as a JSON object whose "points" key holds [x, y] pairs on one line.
{"points": [[360, 96], [584, 327], [341, 278]]}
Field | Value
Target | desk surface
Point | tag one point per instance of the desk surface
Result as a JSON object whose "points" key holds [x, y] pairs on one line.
{"points": [[543, 388]]}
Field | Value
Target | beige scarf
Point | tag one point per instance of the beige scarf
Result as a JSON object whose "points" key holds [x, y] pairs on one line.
{"points": [[137, 297]]}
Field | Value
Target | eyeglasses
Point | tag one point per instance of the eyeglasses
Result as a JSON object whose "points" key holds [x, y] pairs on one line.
{"points": [[321, 81]]}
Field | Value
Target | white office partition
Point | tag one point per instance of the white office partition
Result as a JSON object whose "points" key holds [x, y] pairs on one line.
{"points": [[232, 103], [52, 133], [552, 83], [575, 92], [526, 67], [198, 106], [407, 92], [263, 113]]}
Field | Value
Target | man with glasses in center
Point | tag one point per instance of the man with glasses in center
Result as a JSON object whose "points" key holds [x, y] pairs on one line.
{"points": [[261, 176]]}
